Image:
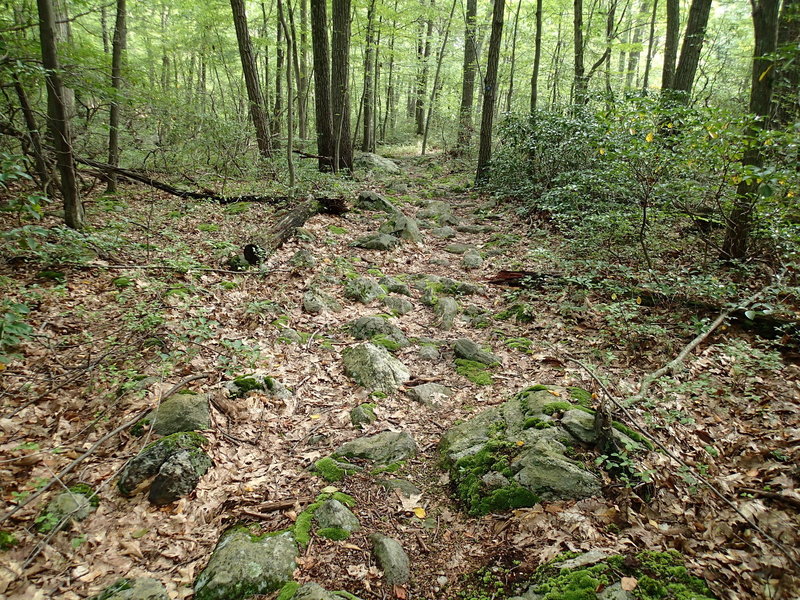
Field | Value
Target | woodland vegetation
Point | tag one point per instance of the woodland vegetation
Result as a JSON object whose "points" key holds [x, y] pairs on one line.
{"points": [[189, 194]]}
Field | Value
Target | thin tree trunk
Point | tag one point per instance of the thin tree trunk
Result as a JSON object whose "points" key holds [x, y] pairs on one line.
{"points": [[611, 31], [294, 52], [256, 101], [390, 91], [683, 79], [579, 96], [556, 66], [510, 95], [277, 107], [671, 43], [368, 141], [469, 69], [489, 93], [787, 84], [537, 58], [322, 83], [650, 44], [435, 90], [117, 59], [340, 89], [104, 28], [43, 167], [303, 84], [423, 54], [57, 118], [289, 100], [636, 46]]}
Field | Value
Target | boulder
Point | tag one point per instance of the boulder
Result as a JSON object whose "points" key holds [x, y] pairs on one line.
{"points": [[178, 476], [391, 558], [367, 328], [469, 350], [74, 505], [363, 414], [243, 565], [316, 301], [256, 382], [457, 248], [182, 412], [382, 449], [369, 161], [332, 514], [405, 487], [446, 310], [403, 227], [439, 212], [394, 285], [139, 588], [429, 394], [363, 289], [398, 305], [429, 353], [443, 233], [370, 200], [303, 259], [373, 368], [377, 241], [472, 259], [313, 591]]}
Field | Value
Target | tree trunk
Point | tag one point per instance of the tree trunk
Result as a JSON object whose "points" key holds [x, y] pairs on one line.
{"points": [[277, 107], [435, 90], [510, 95], [293, 51], [289, 99], [57, 118], [104, 28], [683, 80], [636, 45], [673, 36], [117, 58], [537, 58], [368, 141], [322, 84], [650, 43], [468, 79], [490, 93], [423, 54], [787, 84], [256, 101], [340, 89], [739, 222], [390, 109], [42, 164], [302, 84], [579, 96]]}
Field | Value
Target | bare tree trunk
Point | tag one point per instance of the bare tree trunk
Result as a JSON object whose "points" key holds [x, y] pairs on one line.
{"points": [[579, 96], [302, 85], [390, 90], [294, 52], [690, 51], [117, 59], [104, 28], [510, 95], [322, 84], [671, 43], [368, 141], [556, 64], [635, 51], [489, 93], [787, 84], [423, 54], [340, 88], [537, 58], [435, 90], [468, 79], [43, 166], [289, 100], [256, 101], [651, 42], [277, 107], [57, 118]]}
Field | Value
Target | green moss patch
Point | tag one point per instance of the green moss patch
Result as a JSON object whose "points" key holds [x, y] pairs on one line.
{"points": [[386, 342], [333, 533], [303, 524], [474, 371], [288, 591], [7, 540], [332, 470]]}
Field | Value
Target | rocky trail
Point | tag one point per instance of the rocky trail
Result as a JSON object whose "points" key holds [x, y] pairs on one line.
{"points": [[365, 417]]}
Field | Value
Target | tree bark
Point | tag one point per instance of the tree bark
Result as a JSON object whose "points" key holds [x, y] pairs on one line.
{"points": [[636, 45], [650, 43], [368, 141], [739, 223], [579, 85], [390, 110], [683, 80], [256, 101], [787, 84], [423, 54], [277, 107], [289, 98], [302, 84], [117, 57], [58, 119], [671, 41], [322, 83], [468, 79], [435, 90], [537, 58], [510, 95], [340, 88], [490, 93], [42, 164]]}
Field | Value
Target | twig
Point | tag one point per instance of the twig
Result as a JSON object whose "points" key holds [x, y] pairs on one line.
{"points": [[178, 386], [273, 506], [793, 502]]}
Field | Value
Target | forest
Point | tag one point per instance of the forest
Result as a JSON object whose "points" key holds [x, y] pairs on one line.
{"points": [[400, 299]]}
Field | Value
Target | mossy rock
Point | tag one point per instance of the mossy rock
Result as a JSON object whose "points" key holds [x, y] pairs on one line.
{"points": [[332, 470], [140, 588], [476, 372], [374, 368]]}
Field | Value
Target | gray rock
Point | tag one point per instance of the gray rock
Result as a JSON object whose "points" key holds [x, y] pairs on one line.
{"points": [[587, 559], [314, 591], [316, 301], [545, 468], [382, 448], [442, 262], [392, 559], [443, 233], [182, 412], [363, 289], [370, 200], [140, 588], [147, 463], [406, 488], [439, 212], [472, 259], [398, 305], [615, 592], [256, 382], [457, 248], [402, 226], [469, 350], [370, 161], [178, 476], [377, 241], [74, 505], [242, 566], [303, 259], [333, 513], [373, 368], [366, 328], [399, 187], [494, 480], [580, 424], [429, 354], [304, 235], [446, 310], [394, 285], [430, 394], [289, 336], [475, 228], [363, 414]]}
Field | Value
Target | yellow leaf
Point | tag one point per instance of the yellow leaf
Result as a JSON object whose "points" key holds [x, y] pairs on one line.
{"points": [[628, 583], [316, 416], [613, 296], [2, 367], [765, 73], [638, 300], [329, 489], [555, 393], [520, 443], [632, 130], [649, 137], [419, 512], [602, 151]]}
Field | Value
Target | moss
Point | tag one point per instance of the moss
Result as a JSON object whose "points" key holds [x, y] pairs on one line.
{"points": [[7, 540], [557, 407], [302, 526], [237, 208], [113, 590], [247, 383], [183, 440], [536, 423], [139, 429], [474, 371], [288, 591], [519, 312], [332, 470], [635, 436], [582, 396], [334, 533], [336, 230], [345, 499], [86, 490], [390, 468], [386, 342]]}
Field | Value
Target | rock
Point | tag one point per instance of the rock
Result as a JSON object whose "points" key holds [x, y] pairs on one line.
{"points": [[182, 412], [443, 233], [373, 368], [580, 424], [398, 305], [531, 455], [406, 488], [313, 591], [458, 248], [402, 226], [333, 514], [303, 259], [363, 289], [394, 285], [243, 385], [147, 463], [289, 336], [363, 414], [474, 228], [242, 566], [72, 504], [367, 328], [442, 262], [472, 259], [140, 588], [178, 476], [370, 161], [615, 592], [316, 301], [392, 559], [469, 350], [371, 200], [587, 559], [439, 212], [304, 235], [429, 354], [377, 241], [446, 310], [429, 394], [382, 449]]}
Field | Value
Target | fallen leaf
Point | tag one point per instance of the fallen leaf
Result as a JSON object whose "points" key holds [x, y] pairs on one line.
{"points": [[629, 583], [419, 512]]}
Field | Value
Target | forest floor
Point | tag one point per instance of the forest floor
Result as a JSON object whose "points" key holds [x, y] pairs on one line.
{"points": [[733, 415]]}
